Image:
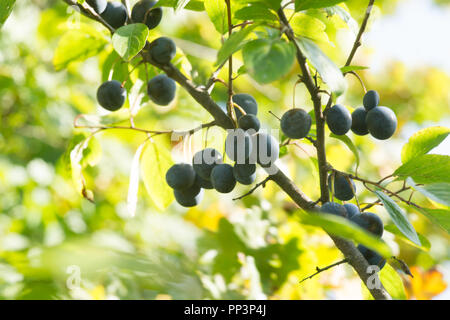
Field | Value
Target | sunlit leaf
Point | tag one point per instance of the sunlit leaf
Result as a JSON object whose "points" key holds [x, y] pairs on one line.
{"points": [[309, 4], [255, 12], [268, 60], [352, 68], [439, 192], [425, 243], [348, 142], [129, 40], [391, 281], [233, 44], [399, 217], [78, 45], [309, 27], [6, 7], [328, 71], [423, 141], [155, 161], [440, 217], [217, 12], [428, 168]]}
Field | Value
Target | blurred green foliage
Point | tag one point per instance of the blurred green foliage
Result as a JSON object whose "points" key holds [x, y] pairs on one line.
{"points": [[50, 236]]}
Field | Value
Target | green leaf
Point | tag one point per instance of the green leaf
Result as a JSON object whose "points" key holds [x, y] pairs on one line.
{"points": [[440, 217], [308, 26], [310, 4], [391, 281], [344, 15], [343, 228], [328, 71], [429, 168], [255, 12], [233, 43], [78, 45], [217, 12], [352, 68], [425, 243], [398, 217], [155, 161], [194, 5], [6, 7], [268, 60], [438, 192], [129, 40], [77, 164], [423, 141], [349, 144]]}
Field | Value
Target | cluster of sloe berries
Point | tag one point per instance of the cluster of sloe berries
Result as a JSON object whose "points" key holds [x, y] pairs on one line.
{"points": [[379, 121], [366, 220], [245, 146], [161, 89]]}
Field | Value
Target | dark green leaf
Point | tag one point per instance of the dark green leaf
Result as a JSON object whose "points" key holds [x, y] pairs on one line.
{"points": [[398, 217]]}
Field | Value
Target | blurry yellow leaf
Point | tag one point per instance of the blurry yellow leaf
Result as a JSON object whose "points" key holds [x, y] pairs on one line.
{"points": [[155, 162], [425, 284]]}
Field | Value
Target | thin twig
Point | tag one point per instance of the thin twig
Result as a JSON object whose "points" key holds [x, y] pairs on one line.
{"points": [[262, 183], [319, 270]]}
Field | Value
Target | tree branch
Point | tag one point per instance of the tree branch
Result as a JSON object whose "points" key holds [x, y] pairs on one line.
{"points": [[350, 252]]}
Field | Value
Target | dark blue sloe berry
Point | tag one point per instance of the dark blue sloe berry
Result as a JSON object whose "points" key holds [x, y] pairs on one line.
{"points": [[238, 145], [163, 50], [296, 123], [339, 119], [334, 208], [342, 188], [372, 257], [180, 176], [205, 160], [115, 14], [265, 149], [142, 12], [203, 183], [370, 222], [222, 178], [161, 89], [352, 210], [248, 122], [244, 173], [371, 99], [99, 6], [246, 102], [359, 126], [189, 197], [111, 95], [381, 122]]}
